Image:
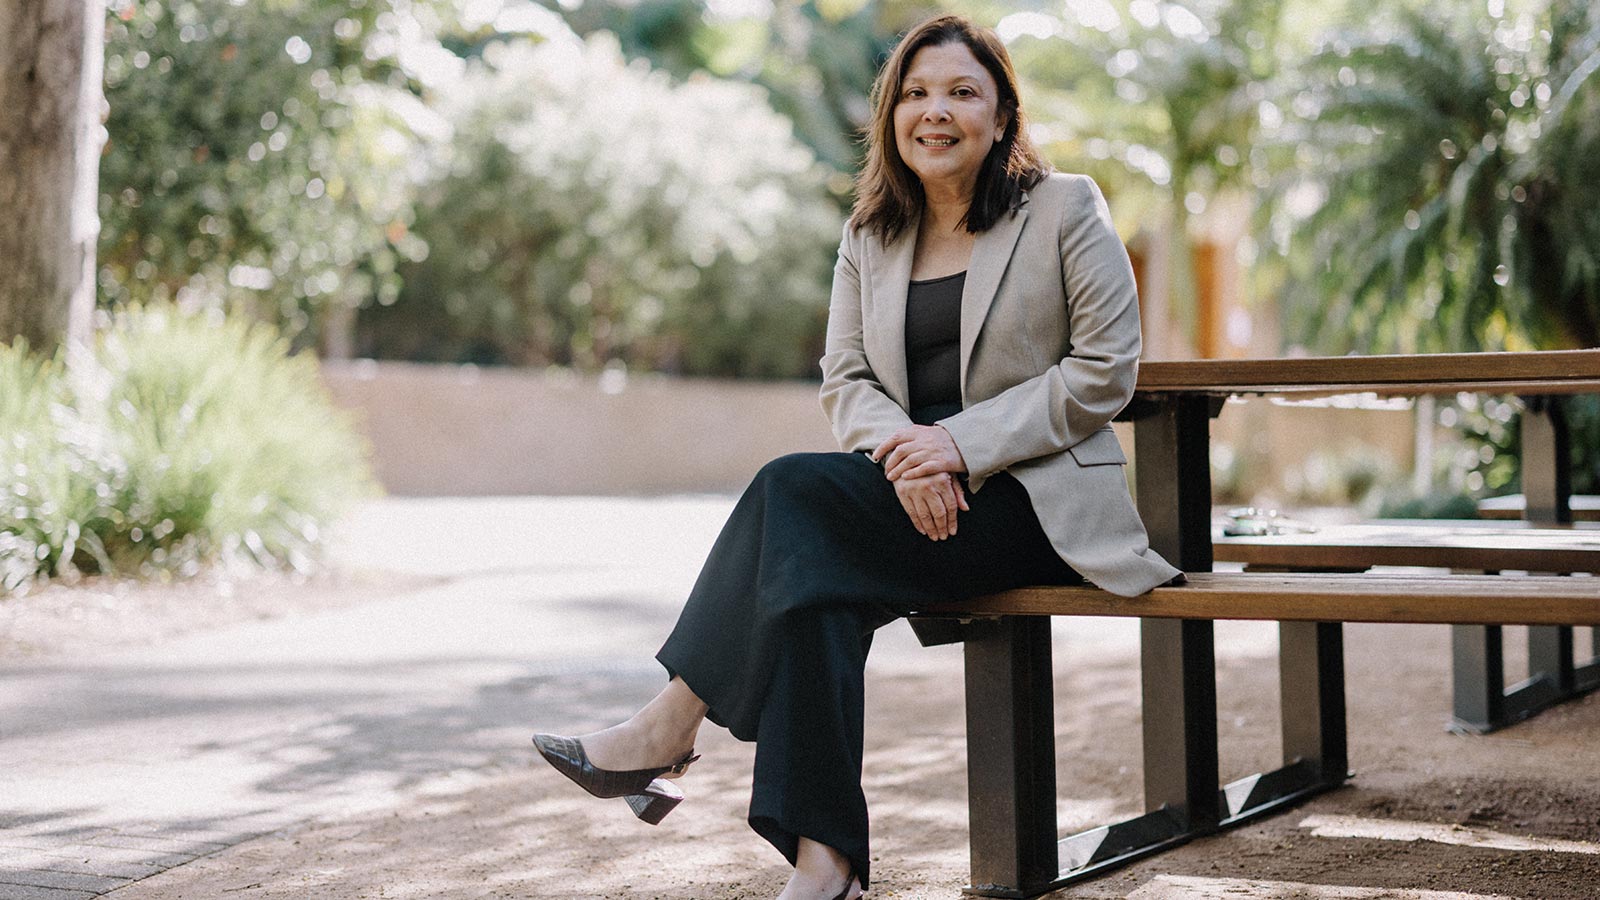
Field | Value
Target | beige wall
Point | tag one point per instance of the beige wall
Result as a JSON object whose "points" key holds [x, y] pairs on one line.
{"points": [[460, 430]]}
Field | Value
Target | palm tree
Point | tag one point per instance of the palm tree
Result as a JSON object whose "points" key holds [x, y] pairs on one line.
{"points": [[1161, 103], [1447, 194]]}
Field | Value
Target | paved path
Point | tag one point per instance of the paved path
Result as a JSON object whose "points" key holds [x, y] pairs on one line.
{"points": [[115, 767], [121, 765], [381, 749]]}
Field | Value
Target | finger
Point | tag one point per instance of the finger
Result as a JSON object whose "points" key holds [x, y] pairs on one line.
{"points": [[961, 497], [924, 515], [916, 458], [907, 504], [941, 518], [924, 466], [948, 495], [888, 444], [895, 464]]}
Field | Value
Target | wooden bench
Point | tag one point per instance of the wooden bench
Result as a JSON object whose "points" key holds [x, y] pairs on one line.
{"points": [[1010, 718], [1482, 701], [1015, 850]]}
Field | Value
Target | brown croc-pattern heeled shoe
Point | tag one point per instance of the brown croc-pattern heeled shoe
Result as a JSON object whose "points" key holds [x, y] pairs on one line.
{"points": [[647, 792]]}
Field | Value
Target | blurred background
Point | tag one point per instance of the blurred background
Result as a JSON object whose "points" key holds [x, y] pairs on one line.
{"points": [[585, 246]]}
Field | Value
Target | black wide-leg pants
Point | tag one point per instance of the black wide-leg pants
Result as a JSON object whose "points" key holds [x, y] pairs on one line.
{"points": [[816, 556]]}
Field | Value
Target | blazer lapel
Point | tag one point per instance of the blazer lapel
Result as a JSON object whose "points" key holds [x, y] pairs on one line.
{"points": [[991, 253], [891, 280]]}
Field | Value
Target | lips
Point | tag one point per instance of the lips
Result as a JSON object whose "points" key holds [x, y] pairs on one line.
{"points": [[937, 140]]}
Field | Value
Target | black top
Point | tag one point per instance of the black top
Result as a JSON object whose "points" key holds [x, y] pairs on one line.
{"points": [[933, 345]]}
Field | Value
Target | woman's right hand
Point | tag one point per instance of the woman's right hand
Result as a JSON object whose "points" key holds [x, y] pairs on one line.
{"points": [[932, 503]]}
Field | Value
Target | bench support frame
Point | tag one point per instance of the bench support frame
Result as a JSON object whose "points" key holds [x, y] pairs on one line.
{"points": [[1482, 703], [1011, 777], [1010, 721]]}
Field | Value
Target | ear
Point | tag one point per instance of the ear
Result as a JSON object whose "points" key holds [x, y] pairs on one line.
{"points": [[1002, 121]]}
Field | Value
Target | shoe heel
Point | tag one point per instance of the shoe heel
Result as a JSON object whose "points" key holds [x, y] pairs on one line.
{"points": [[657, 800]]}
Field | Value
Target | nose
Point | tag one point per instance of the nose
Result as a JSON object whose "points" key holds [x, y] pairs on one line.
{"points": [[937, 110]]}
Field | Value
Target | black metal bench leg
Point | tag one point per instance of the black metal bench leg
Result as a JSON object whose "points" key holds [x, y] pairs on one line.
{"points": [[1482, 702], [1478, 676], [1178, 672], [1011, 766], [1550, 656], [1587, 675], [1178, 669], [1311, 675]]}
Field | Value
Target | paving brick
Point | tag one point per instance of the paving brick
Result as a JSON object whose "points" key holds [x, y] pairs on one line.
{"points": [[70, 881], [13, 839], [80, 865], [155, 844], [32, 892], [153, 859]]}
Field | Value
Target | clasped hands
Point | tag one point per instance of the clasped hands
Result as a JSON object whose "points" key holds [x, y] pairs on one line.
{"points": [[923, 461]]}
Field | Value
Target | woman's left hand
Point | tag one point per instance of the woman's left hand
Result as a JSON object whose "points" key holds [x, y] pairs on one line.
{"points": [[918, 451]]}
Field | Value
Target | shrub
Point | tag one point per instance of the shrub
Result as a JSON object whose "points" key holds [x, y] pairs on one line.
{"points": [[177, 440], [258, 156], [592, 211], [31, 477]]}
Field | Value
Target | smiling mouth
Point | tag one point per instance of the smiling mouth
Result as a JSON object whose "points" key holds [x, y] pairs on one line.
{"points": [[936, 142]]}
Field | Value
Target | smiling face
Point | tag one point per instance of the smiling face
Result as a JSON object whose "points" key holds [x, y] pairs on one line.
{"points": [[947, 117]]}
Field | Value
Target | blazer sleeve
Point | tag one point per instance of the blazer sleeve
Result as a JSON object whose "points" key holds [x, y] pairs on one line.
{"points": [[861, 413], [1082, 393]]}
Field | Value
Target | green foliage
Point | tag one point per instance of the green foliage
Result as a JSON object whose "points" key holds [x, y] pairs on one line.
{"points": [[592, 211], [258, 155], [1159, 102], [1153, 98], [1439, 505], [816, 58], [1480, 461], [179, 439], [30, 473], [1449, 170]]}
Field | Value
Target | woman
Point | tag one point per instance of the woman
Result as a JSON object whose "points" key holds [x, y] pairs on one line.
{"points": [[982, 333]]}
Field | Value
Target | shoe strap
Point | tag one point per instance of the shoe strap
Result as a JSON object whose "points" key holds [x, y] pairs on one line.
{"points": [[682, 765]]}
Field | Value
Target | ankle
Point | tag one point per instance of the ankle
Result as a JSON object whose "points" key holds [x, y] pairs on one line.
{"points": [[821, 868], [669, 739]]}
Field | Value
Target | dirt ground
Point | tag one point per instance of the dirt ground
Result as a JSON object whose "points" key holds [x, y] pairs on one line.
{"points": [[522, 831]]}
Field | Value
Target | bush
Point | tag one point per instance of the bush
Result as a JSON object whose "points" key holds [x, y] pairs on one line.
{"points": [[258, 156], [592, 211], [176, 441]]}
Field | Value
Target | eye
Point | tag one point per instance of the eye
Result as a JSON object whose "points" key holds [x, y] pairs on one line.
{"points": [[913, 92], [965, 92]]}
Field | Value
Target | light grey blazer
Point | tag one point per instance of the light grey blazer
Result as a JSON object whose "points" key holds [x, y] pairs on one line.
{"points": [[1049, 354]]}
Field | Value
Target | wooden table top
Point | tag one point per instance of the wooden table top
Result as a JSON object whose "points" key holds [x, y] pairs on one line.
{"points": [[1534, 372], [1442, 544]]}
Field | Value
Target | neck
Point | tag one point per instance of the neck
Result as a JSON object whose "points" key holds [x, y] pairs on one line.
{"points": [[943, 211]]}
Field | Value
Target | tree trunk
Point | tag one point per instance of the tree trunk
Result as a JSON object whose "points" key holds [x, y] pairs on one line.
{"points": [[51, 57]]}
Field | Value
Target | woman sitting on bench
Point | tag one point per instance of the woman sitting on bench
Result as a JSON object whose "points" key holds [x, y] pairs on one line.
{"points": [[982, 333]]}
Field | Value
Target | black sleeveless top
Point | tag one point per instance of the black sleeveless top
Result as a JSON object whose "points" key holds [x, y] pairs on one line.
{"points": [[933, 347]]}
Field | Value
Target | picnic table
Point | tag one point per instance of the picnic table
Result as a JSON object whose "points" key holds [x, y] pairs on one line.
{"points": [[1016, 851], [1482, 701]]}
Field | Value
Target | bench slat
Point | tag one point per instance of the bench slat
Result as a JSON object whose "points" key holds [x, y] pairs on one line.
{"points": [[1441, 599]]}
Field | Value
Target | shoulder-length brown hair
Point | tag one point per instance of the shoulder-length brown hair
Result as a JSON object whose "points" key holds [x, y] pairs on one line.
{"points": [[888, 194]]}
